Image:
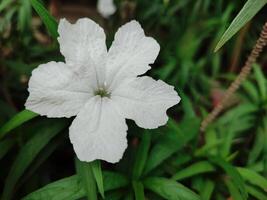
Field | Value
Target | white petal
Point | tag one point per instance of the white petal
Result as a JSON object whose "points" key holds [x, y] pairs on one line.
{"points": [[130, 54], [145, 101], [82, 43], [106, 7], [57, 91], [99, 132]]}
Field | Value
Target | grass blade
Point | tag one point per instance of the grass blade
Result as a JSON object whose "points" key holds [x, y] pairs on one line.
{"points": [[255, 193], [114, 180], [169, 189], [249, 10], [24, 15], [97, 171], [194, 169], [207, 190], [16, 121], [4, 4], [261, 80], [29, 152], [253, 177], [5, 146], [141, 155], [68, 188], [71, 188], [233, 173], [172, 142], [49, 21], [85, 172], [235, 194], [138, 190]]}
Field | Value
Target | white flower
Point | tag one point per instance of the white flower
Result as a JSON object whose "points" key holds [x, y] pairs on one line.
{"points": [[101, 87], [106, 7]]}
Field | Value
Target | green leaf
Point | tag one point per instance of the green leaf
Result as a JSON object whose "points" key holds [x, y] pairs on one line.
{"points": [[5, 146], [97, 171], [233, 189], [114, 180], [24, 15], [29, 152], [212, 143], [253, 177], [169, 189], [40, 159], [71, 188], [251, 90], [141, 155], [129, 196], [49, 21], [138, 190], [257, 147], [207, 190], [249, 10], [65, 189], [232, 172], [4, 4], [261, 81], [187, 105], [256, 193], [16, 121], [6, 109], [172, 141], [84, 170], [238, 112], [194, 169], [114, 195]]}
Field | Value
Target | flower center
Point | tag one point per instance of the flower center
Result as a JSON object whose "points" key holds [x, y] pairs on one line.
{"points": [[102, 92]]}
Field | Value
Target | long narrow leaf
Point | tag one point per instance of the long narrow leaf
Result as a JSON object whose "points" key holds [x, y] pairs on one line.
{"points": [[24, 15], [253, 177], [256, 193], [97, 171], [233, 189], [5, 146], [84, 170], [232, 172], [29, 152], [4, 4], [68, 188], [71, 188], [46, 17], [169, 189], [207, 190], [194, 169], [138, 190], [249, 10], [16, 121], [261, 80], [172, 142], [141, 156]]}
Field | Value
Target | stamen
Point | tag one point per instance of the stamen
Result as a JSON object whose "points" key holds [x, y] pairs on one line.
{"points": [[102, 92]]}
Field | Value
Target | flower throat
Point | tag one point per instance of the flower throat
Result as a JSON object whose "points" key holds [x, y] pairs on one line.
{"points": [[102, 92]]}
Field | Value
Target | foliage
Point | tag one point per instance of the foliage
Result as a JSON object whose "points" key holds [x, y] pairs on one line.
{"points": [[176, 161]]}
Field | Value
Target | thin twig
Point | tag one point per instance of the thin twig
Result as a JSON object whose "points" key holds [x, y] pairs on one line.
{"points": [[261, 42]]}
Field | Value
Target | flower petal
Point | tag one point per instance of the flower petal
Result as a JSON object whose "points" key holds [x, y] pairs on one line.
{"points": [[57, 91], [99, 132], [130, 53], [82, 43], [145, 101], [106, 7]]}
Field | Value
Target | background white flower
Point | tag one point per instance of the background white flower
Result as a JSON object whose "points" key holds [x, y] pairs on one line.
{"points": [[101, 87], [106, 7]]}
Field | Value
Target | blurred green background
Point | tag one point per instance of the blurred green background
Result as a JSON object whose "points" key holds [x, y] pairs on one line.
{"points": [[176, 162]]}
